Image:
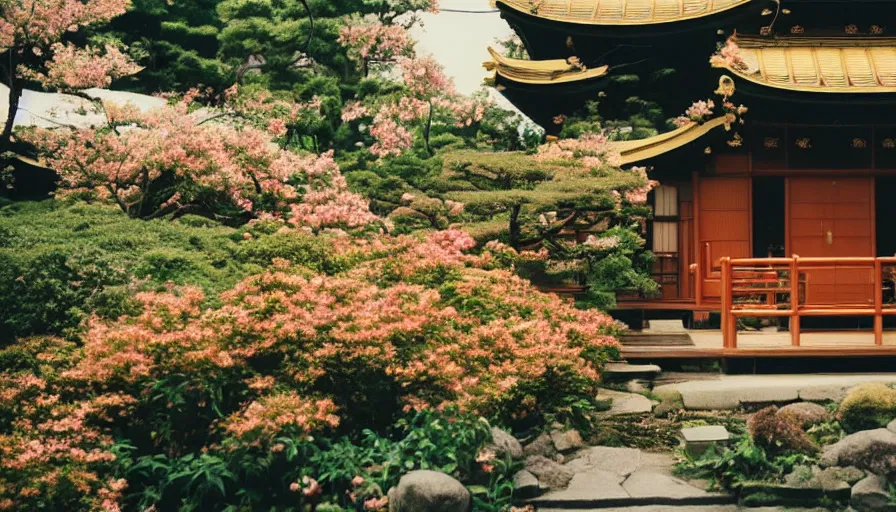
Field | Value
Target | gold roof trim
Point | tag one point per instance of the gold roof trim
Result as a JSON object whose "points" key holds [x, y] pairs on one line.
{"points": [[540, 71], [829, 65], [632, 151], [621, 12]]}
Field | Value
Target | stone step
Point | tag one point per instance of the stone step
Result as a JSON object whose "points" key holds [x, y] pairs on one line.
{"points": [[667, 326], [685, 503], [618, 372]]}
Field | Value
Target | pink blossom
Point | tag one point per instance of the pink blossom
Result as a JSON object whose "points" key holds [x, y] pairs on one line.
{"points": [[376, 42], [81, 68], [353, 110]]}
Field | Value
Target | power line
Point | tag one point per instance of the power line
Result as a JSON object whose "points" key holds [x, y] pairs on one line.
{"points": [[464, 11]]}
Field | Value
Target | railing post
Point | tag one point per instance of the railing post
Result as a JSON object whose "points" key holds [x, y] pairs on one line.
{"points": [[878, 302], [795, 301], [729, 323]]}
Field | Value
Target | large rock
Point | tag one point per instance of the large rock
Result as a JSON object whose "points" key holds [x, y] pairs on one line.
{"points": [[624, 403], [828, 479], [525, 485], [871, 450], [871, 495], [504, 443], [542, 445], [671, 402], [892, 426], [551, 476], [806, 413], [567, 440], [429, 491]]}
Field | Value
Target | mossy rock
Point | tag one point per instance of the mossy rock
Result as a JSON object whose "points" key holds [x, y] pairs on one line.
{"points": [[867, 407]]}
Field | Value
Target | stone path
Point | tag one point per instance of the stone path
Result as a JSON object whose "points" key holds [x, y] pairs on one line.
{"points": [[689, 508], [618, 477], [732, 391]]}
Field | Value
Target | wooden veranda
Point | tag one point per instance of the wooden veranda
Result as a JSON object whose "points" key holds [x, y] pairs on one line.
{"points": [[782, 288]]}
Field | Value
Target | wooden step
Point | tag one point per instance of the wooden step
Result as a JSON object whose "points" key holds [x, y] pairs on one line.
{"points": [[659, 339]]}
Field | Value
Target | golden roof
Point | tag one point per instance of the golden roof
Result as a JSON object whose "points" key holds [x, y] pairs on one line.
{"points": [[540, 71], [621, 12], [636, 150], [834, 65]]}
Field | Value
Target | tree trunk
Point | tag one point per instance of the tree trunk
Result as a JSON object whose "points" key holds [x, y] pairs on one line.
{"points": [[426, 131], [15, 94], [515, 226]]}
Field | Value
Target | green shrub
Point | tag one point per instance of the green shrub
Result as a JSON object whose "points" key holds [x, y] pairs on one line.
{"points": [[730, 467], [299, 248], [348, 470], [60, 261], [867, 407], [53, 291]]}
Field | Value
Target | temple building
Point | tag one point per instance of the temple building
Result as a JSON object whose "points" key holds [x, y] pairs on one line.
{"points": [[784, 217]]}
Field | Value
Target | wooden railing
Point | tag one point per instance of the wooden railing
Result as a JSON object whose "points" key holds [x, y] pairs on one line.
{"points": [[766, 287]]}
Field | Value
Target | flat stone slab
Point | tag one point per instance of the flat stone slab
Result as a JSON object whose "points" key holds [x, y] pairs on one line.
{"points": [[729, 392], [646, 483], [698, 439], [593, 485], [707, 434], [619, 461], [624, 403], [625, 369], [624, 477]]}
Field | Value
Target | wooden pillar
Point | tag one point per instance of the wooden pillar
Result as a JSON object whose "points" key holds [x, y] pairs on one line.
{"points": [[698, 275], [795, 301], [725, 315], [878, 303]]}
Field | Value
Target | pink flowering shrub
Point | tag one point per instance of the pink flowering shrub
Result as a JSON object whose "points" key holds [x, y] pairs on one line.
{"points": [[282, 361], [167, 162]]}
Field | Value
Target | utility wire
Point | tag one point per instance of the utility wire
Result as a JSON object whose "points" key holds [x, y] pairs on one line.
{"points": [[464, 11]]}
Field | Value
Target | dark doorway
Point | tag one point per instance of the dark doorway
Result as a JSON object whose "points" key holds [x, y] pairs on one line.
{"points": [[768, 217]]}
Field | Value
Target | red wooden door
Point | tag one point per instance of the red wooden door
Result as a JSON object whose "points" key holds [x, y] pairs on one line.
{"points": [[725, 227], [833, 217]]}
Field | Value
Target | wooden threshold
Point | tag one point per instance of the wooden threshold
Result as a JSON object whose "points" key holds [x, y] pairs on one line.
{"points": [[666, 305], [644, 352]]}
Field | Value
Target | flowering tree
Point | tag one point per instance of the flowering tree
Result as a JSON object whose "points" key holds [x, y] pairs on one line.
{"points": [[168, 162], [427, 95], [375, 42], [32, 48]]}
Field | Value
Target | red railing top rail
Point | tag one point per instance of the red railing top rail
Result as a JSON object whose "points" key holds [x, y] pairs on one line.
{"points": [[851, 260]]}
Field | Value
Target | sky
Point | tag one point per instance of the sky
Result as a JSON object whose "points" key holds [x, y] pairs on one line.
{"points": [[460, 41]]}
